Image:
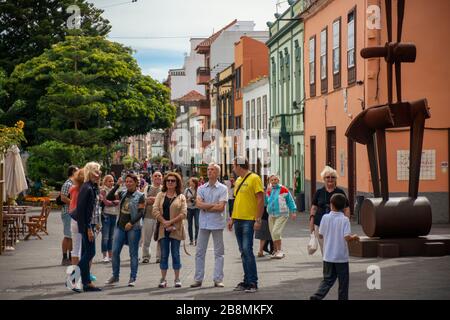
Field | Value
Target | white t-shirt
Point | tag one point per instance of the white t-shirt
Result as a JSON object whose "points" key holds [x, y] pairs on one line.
{"points": [[334, 227]]}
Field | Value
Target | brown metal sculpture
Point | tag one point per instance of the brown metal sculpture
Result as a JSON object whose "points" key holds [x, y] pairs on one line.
{"points": [[393, 217]]}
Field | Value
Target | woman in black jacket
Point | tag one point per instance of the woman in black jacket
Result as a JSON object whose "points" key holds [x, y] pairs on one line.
{"points": [[88, 216], [321, 201]]}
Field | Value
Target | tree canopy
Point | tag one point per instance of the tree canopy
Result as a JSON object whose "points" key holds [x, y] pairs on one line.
{"points": [[28, 27], [86, 91]]}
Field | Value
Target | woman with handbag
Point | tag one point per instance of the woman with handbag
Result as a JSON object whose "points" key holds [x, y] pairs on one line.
{"points": [[321, 201], [170, 209]]}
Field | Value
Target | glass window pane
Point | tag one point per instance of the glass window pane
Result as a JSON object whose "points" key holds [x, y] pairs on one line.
{"points": [[351, 58], [258, 114], [323, 42], [311, 50], [323, 67], [351, 35], [265, 112], [311, 73], [336, 34], [252, 119], [336, 61]]}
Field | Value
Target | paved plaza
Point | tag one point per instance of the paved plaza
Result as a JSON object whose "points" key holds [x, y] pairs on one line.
{"points": [[33, 271]]}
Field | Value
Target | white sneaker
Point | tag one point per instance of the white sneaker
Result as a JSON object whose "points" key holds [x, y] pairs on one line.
{"points": [[106, 260], [279, 255]]}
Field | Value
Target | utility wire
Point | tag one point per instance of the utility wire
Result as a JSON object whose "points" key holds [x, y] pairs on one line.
{"points": [[118, 4]]}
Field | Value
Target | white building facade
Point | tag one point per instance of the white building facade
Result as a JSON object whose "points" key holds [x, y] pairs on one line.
{"points": [[184, 80], [255, 124]]}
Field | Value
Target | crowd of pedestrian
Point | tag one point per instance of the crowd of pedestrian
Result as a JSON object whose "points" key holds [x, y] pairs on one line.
{"points": [[133, 210]]}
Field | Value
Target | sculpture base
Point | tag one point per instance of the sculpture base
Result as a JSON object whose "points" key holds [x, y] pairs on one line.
{"points": [[431, 245]]}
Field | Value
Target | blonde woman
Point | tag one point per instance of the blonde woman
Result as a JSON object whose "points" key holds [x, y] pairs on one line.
{"points": [[279, 204], [321, 201], [88, 218]]}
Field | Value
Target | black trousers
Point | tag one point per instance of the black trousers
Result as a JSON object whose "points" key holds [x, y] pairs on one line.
{"points": [[331, 272], [193, 218], [87, 253]]}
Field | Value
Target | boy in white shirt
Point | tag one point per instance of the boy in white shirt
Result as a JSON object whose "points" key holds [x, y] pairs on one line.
{"points": [[335, 230]]}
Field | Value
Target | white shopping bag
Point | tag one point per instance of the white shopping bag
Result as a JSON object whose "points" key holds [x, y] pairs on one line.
{"points": [[313, 244]]}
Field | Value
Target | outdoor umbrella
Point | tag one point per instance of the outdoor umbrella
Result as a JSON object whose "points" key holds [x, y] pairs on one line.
{"points": [[15, 180]]}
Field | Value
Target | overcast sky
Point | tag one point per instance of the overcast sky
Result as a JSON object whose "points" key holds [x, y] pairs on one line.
{"points": [[182, 19]]}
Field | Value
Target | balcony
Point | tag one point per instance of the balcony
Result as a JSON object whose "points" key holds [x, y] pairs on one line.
{"points": [[203, 75], [204, 108]]}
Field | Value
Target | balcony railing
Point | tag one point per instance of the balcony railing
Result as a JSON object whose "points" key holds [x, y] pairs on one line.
{"points": [[203, 75], [203, 108]]}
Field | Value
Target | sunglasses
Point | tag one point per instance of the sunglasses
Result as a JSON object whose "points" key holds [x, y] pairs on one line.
{"points": [[171, 181], [330, 177]]}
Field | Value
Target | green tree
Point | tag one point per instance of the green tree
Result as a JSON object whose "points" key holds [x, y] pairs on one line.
{"points": [[28, 27], [51, 160], [73, 91]]}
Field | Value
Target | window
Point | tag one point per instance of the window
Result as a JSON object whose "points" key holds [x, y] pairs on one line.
{"points": [[274, 70], [258, 114], [238, 122], [230, 113], [351, 43], [264, 112], [337, 53], [331, 147], [238, 78], [252, 119], [323, 61], [237, 82], [298, 81], [297, 51], [247, 115], [287, 62], [281, 65], [312, 66]]}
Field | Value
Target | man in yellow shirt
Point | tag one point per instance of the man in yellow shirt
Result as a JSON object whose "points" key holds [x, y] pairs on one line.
{"points": [[247, 212]]}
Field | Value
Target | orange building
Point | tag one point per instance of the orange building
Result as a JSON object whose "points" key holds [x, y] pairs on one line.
{"points": [[250, 62], [339, 84]]}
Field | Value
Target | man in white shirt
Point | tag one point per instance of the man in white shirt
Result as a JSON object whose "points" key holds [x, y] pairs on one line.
{"points": [[211, 200]]}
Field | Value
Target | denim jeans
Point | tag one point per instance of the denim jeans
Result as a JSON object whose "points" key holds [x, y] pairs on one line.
{"points": [[131, 238], [244, 236], [331, 272], [87, 253], [169, 245], [192, 217], [108, 225]]}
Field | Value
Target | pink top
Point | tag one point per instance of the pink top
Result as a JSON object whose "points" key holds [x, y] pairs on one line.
{"points": [[73, 191]]}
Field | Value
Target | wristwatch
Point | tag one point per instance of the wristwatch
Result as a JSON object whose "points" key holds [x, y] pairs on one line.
{"points": [[258, 220]]}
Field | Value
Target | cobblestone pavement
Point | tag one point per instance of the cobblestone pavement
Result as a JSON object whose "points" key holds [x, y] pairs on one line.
{"points": [[33, 271]]}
